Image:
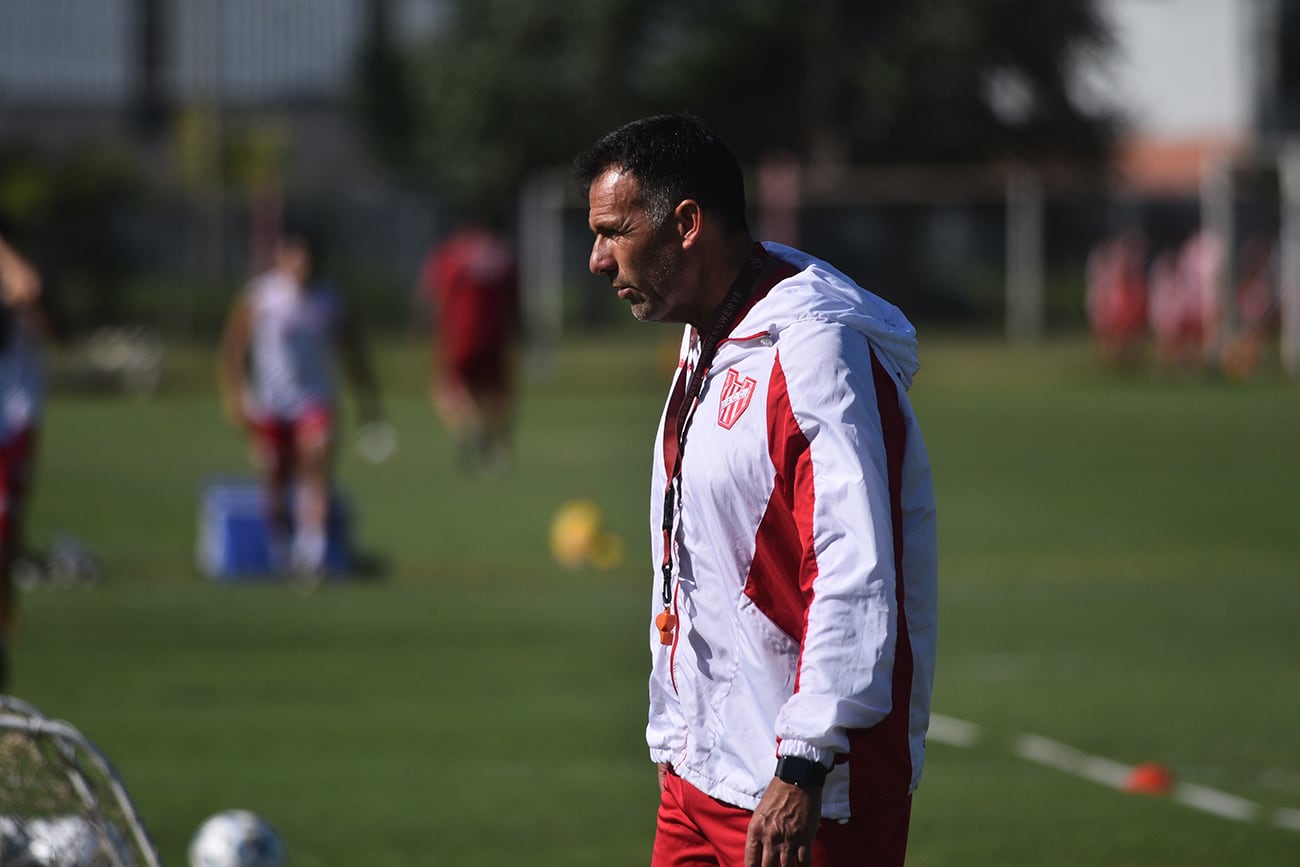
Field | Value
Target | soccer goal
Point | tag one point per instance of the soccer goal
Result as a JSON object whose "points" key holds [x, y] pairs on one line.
{"points": [[61, 801]]}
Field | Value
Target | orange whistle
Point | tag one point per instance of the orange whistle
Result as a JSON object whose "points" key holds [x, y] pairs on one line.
{"points": [[666, 624]]}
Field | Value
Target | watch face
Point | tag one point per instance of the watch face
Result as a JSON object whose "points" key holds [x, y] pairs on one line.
{"points": [[792, 770], [800, 772]]}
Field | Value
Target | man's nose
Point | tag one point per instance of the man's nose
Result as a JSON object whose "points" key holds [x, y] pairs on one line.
{"points": [[600, 262]]}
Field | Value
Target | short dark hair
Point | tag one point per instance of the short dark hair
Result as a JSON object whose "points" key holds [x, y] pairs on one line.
{"points": [[673, 157], [306, 237]]}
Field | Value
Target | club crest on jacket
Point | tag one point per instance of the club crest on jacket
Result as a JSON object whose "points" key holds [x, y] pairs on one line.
{"points": [[736, 394]]}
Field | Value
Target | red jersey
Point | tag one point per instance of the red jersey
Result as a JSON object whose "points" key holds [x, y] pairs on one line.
{"points": [[471, 281]]}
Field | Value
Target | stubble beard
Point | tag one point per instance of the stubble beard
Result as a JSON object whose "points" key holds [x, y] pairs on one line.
{"points": [[662, 276]]}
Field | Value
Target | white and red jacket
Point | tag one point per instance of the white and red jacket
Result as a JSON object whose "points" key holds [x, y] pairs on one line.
{"points": [[804, 551]]}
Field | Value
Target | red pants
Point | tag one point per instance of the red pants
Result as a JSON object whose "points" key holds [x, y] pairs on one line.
{"points": [[695, 830]]}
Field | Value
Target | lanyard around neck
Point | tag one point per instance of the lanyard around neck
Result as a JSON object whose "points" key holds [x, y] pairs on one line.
{"points": [[686, 393]]}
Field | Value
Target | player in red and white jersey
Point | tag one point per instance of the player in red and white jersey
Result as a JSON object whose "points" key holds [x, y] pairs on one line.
{"points": [[24, 324], [1184, 301], [792, 519], [278, 381], [1116, 295]]}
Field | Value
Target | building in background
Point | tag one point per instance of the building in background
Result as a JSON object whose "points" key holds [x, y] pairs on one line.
{"points": [[232, 108], [1211, 90]]}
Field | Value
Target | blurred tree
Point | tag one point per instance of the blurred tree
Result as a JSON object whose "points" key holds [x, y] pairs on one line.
{"points": [[61, 210], [150, 107], [382, 96], [508, 85]]}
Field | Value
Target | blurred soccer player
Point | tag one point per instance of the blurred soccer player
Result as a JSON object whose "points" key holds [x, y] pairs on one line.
{"points": [[278, 381], [24, 322], [470, 284], [1183, 309], [1117, 296]]}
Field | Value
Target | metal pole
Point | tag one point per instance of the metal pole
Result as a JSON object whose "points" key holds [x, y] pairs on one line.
{"points": [[1289, 253], [541, 278], [1219, 224], [1025, 315], [218, 205]]}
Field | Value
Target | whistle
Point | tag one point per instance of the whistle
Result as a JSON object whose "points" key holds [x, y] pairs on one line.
{"points": [[667, 624]]}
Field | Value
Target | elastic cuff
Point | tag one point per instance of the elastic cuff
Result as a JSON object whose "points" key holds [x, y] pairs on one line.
{"points": [[660, 755], [804, 750]]}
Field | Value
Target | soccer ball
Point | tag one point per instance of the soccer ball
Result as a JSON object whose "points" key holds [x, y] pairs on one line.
{"points": [[574, 530], [579, 537], [70, 840], [237, 838]]}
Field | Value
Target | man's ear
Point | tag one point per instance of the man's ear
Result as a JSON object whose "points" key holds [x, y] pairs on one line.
{"points": [[689, 219]]}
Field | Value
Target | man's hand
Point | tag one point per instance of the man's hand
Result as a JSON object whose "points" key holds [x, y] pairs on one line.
{"points": [[664, 770], [781, 831]]}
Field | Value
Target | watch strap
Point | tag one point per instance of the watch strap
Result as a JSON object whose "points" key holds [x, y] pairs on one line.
{"points": [[804, 773]]}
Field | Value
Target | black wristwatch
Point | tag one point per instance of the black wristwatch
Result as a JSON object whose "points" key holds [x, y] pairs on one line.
{"points": [[804, 773]]}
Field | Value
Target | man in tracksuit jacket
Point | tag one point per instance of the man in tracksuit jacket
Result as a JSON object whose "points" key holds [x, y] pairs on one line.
{"points": [[792, 523]]}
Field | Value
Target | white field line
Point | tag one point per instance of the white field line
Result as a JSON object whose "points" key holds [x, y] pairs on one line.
{"points": [[1054, 754], [953, 731], [1216, 802], [1287, 818], [1108, 772]]}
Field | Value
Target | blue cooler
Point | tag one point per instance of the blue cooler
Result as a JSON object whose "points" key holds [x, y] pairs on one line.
{"points": [[233, 542]]}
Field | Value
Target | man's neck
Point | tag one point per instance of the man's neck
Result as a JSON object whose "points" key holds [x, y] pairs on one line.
{"points": [[720, 277]]}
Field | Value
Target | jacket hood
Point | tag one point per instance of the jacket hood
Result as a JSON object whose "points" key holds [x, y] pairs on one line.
{"points": [[819, 291]]}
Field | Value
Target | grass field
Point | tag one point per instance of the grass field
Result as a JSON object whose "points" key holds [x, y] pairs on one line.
{"points": [[1119, 563]]}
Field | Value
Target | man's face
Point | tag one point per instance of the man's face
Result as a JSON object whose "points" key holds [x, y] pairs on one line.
{"points": [[293, 259], [642, 261]]}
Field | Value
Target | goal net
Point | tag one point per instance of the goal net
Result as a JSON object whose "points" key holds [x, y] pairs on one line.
{"points": [[61, 802]]}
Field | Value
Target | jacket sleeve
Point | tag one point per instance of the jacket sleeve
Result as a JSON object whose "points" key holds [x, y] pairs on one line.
{"points": [[843, 512]]}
